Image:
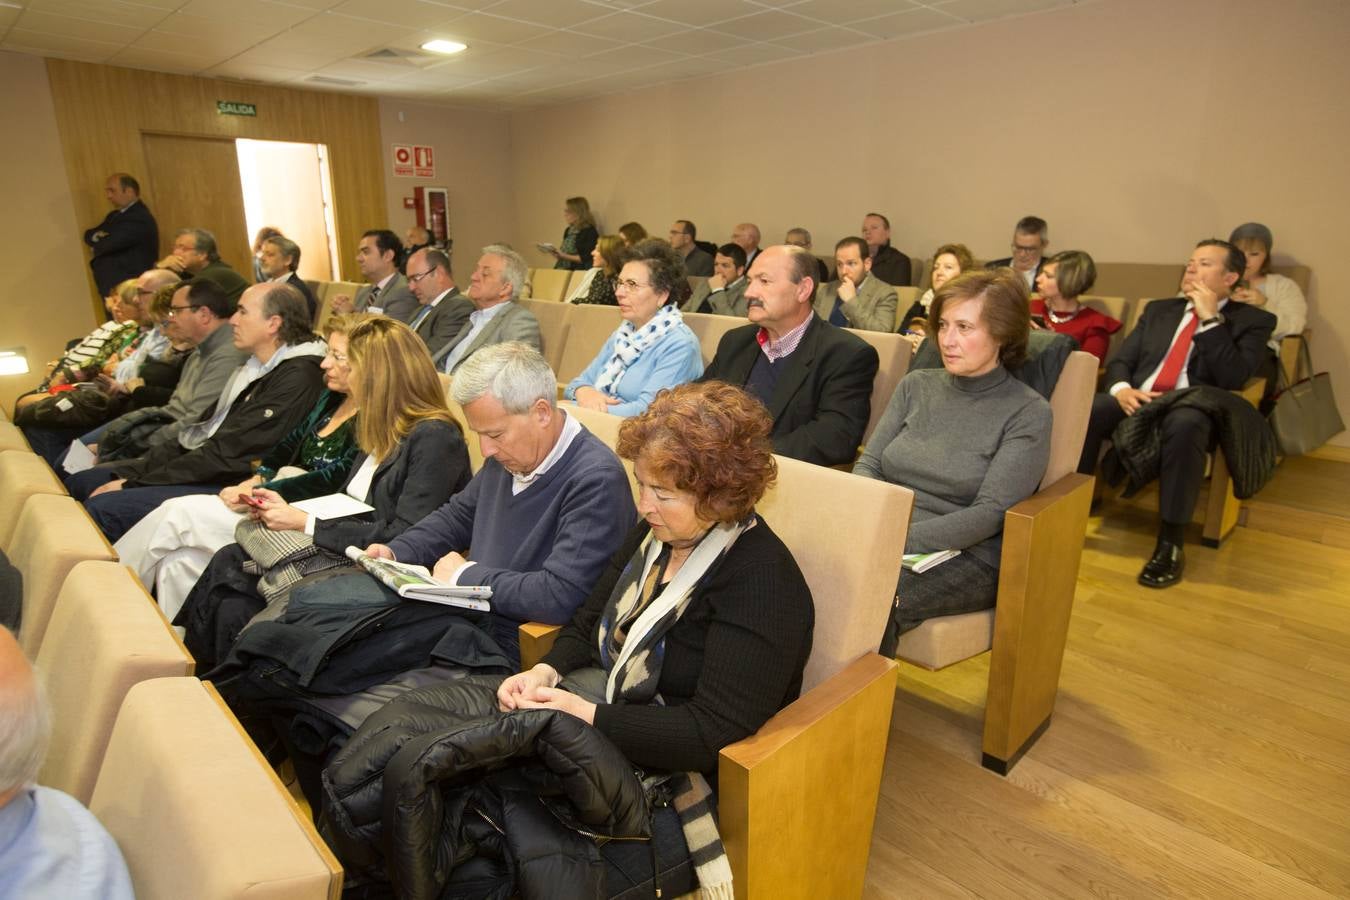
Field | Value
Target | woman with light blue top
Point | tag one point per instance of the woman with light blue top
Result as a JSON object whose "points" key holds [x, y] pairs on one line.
{"points": [[653, 349]]}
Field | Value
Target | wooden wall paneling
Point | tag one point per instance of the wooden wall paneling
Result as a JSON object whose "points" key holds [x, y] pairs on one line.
{"points": [[103, 111], [196, 183]]}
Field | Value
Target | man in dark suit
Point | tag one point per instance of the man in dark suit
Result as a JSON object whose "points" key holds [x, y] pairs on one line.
{"points": [[443, 311], [278, 259], [1202, 338], [1031, 235], [816, 380], [126, 242], [683, 235], [888, 263], [377, 257], [746, 236]]}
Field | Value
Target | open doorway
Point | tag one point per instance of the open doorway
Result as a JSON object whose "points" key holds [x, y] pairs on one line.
{"points": [[288, 186]]}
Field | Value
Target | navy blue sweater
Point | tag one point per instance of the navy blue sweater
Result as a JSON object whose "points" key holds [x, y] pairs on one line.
{"points": [[540, 551]]}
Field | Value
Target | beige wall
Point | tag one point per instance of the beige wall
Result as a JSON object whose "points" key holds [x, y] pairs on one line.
{"points": [[473, 162], [44, 300], [1121, 122]]}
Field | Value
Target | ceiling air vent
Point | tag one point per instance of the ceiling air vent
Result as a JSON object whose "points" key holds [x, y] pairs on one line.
{"points": [[397, 57], [338, 82]]}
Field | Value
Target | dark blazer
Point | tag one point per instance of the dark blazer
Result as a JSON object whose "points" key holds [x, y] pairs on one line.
{"points": [[426, 469], [892, 267], [449, 317], [1226, 356], [823, 399], [311, 301], [220, 272], [260, 417], [127, 248]]}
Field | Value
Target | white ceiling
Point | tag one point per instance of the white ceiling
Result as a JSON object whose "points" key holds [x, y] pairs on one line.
{"points": [[521, 52]]}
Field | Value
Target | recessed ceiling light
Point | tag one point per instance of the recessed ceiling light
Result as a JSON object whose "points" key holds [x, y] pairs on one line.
{"points": [[440, 46]]}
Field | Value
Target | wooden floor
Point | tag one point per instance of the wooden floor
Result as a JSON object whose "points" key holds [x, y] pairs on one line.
{"points": [[1200, 746]]}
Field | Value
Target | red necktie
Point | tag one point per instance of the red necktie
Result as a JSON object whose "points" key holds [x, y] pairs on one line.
{"points": [[1176, 356]]}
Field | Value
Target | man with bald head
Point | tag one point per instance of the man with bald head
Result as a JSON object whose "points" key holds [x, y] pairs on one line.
{"points": [[50, 845], [746, 236], [815, 379]]}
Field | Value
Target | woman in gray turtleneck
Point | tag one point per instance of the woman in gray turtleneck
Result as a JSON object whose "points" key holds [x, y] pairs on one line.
{"points": [[969, 439]]}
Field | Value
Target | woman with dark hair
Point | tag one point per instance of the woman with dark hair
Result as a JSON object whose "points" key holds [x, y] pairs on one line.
{"points": [[1063, 277], [413, 458], [700, 629], [969, 439], [597, 286], [949, 260], [1277, 294], [632, 233], [579, 236], [653, 348]]}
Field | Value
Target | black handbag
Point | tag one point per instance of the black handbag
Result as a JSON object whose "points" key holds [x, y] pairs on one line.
{"points": [[1304, 416], [82, 407]]}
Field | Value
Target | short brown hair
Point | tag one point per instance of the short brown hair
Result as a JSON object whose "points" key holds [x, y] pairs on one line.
{"points": [[1006, 310], [611, 247], [394, 384], [964, 259], [710, 439], [1075, 273]]}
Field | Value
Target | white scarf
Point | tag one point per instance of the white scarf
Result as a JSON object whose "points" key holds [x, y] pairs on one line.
{"points": [[630, 343]]}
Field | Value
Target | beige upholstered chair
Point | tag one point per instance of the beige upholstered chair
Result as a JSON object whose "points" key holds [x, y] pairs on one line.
{"points": [[894, 353], [553, 324], [196, 810], [21, 475], [53, 534], [588, 327], [709, 328], [797, 799], [105, 635], [11, 438], [548, 284], [1042, 545], [325, 294], [905, 297], [470, 438]]}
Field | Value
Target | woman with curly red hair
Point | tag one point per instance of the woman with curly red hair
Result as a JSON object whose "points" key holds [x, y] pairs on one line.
{"points": [[700, 629]]}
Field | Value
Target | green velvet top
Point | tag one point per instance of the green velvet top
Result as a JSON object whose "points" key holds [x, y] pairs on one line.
{"points": [[327, 461]]}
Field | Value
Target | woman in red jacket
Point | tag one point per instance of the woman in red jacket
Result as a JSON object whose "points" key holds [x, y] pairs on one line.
{"points": [[1063, 278]]}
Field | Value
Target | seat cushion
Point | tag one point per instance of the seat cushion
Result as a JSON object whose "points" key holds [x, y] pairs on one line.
{"points": [[946, 640]]}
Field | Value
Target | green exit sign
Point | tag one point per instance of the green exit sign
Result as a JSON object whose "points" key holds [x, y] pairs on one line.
{"points": [[229, 108]]}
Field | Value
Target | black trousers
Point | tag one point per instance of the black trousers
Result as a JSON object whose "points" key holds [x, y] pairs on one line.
{"points": [[1187, 435]]}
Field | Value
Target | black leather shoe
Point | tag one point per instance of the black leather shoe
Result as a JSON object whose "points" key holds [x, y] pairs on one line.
{"points": [[1164, 569]]}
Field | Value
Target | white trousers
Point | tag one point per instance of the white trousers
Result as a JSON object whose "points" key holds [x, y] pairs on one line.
{"points": [[170, 548]]}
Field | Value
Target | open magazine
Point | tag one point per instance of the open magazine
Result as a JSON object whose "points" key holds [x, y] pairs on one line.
{"points": [[415, 583], [922, 562]]}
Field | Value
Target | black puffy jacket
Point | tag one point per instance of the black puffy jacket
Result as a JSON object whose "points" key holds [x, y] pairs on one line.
{"points": [[1245, 436], [441, 795]]}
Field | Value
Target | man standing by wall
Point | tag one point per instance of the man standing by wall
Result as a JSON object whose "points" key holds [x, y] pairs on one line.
{"points": [[126, 242]]}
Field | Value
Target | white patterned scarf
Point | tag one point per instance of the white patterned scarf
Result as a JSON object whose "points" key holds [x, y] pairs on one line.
{"points": [[630, 343], [632, 649]]}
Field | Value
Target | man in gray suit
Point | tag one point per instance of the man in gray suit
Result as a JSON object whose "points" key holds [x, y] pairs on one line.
{"points": [[496, 282], [683, 234], [377, 257], [442, 311], [858, 299], [724, 293]]}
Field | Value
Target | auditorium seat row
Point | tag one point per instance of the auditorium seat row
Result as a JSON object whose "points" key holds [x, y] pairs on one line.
{"points": [[154, 753]]}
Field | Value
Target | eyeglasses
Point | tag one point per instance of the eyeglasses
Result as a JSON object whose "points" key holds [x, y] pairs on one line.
{"points": [[175, 310], [629, 284], [1018, 248], [413, 279]]}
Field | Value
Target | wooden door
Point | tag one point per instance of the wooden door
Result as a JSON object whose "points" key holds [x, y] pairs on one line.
{"points": [[194, 183]]}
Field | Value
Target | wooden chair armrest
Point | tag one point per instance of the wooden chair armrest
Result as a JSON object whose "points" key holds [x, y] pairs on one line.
{"points": [[797, 799], [1038, 572], [536, 639], [1253, 391]]}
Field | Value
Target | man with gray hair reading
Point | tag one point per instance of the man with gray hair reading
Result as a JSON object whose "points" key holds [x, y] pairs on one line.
{"points": [[494, 287], [50, 845], [543, 516]]}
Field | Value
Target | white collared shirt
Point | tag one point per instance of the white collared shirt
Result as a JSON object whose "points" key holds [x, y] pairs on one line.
{"points": [[1183, 380]]}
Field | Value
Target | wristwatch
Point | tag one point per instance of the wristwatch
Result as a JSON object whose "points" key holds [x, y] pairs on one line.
{"points": [[1216, 319]]}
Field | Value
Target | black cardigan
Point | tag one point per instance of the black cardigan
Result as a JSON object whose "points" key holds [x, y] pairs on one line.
{"points": [[731, 661], [428, 467]]}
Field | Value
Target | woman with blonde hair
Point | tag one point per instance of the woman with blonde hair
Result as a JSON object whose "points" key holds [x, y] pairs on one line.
{"points": [[598, 284], [579, 236], [413, 458]]}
